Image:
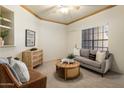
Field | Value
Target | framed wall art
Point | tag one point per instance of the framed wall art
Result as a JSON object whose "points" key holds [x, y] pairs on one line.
{"points": [[30, 38]]}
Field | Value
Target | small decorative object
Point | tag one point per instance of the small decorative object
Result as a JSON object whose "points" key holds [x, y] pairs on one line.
{"points": [[30, 38], [3, 35], [64, 60], [0, 42], [69, 59], [76, 51], [33, 49], [16, 58]]}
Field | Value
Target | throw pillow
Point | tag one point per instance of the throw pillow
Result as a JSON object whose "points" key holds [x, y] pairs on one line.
{"points": [[100, 56], [76, 51], [92, 57], [21, 70], [107, 55], [4, 60], [84, 52]]}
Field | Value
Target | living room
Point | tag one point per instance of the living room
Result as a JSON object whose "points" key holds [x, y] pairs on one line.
{"points": [[57, 40]]}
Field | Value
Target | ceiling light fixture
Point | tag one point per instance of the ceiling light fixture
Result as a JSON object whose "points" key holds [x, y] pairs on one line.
{"points": [[65, 9]]}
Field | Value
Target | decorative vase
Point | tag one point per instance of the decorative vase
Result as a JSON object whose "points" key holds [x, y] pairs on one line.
{"points": [[0, 41]]}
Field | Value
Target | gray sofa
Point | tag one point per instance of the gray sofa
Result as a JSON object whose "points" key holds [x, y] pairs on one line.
{"points": [[101, 67]]}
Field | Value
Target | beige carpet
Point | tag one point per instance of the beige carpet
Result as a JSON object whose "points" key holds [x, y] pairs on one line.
{"points": [[87, 79]]}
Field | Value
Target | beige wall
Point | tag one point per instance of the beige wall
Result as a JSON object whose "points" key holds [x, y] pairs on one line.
{"points": [[53, 40], [114, 17], [50, 37]]}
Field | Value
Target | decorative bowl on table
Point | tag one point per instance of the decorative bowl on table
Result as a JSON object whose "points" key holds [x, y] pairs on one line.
{"points": [[68, 61]]}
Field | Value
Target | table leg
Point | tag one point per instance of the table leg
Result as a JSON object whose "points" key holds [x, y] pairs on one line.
{"points": [[65, 73]]}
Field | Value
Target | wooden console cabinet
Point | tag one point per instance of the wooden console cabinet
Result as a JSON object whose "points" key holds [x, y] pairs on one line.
{"points": [[32, 58]]}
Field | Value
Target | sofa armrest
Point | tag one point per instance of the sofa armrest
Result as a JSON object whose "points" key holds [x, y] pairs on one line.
{"points": [[108, 63], [8, 75], [37, 80]]}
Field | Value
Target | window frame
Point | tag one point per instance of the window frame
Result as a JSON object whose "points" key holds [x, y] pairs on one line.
{"points": [[91, 38]]}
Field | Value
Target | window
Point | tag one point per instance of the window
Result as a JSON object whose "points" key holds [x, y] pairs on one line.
{"points": [[95, 38]]}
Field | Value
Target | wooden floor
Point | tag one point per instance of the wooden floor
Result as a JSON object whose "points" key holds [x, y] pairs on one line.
{"points": [[87, 79]]}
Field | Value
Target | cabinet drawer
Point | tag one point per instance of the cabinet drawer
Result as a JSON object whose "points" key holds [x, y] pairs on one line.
{"points": [[32, 58], [37, 56], [37, 59], [37, 62], [37, 53]]}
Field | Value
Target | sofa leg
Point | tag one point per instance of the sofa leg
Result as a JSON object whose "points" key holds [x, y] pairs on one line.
{"points": [[102, 75]]}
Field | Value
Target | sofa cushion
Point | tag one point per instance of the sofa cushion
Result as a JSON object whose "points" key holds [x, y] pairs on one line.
{"points": [[88, 61], [93, 52], [84, 53]]}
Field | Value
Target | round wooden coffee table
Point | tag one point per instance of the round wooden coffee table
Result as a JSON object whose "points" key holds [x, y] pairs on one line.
{"points": [[68, 71]]}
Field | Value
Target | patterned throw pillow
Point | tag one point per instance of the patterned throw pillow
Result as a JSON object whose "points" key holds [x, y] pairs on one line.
{"points": [[92, 57], [21, 70]]}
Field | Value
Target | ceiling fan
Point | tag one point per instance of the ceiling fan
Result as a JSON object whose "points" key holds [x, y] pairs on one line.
{"points": [[65, 8]]}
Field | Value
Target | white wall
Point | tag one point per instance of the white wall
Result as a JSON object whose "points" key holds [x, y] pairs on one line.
{"points": [[50, 37], [53, 40], [114, 17]]}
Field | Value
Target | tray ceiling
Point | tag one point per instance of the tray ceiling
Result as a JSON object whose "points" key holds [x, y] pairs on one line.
{"points": [[64, 14]]}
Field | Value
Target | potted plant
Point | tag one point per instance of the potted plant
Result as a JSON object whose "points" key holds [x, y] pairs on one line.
{"points": [[71, 58], [1, 17], [3, 34]]}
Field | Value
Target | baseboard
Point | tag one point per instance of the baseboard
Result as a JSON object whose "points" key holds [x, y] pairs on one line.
{"points": [[119, 72]]}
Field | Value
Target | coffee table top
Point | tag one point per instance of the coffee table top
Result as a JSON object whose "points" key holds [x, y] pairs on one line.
{"points": [[66, 65]]}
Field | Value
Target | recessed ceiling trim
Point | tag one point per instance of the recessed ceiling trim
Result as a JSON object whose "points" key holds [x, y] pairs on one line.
{"points": [[39, 16], [108, 7], [30, 11]]}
